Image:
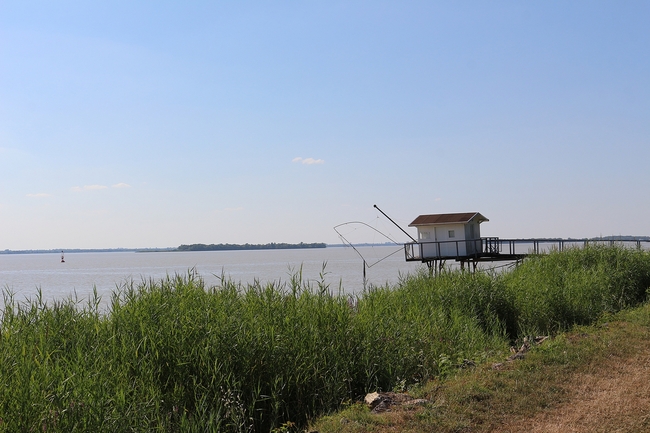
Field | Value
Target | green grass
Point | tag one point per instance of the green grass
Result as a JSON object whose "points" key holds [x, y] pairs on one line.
{"points": [[483, 399], [555, 291], [174, 355]]}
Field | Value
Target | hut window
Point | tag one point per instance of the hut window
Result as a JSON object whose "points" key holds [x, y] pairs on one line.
{"points": [[452, 234]]}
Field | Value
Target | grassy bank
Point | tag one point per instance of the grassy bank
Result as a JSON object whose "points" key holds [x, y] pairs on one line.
{"points": [[565, 384], [174, 355]]}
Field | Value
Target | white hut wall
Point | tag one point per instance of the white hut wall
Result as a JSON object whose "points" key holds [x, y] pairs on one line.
{"points": [[443, 240]]}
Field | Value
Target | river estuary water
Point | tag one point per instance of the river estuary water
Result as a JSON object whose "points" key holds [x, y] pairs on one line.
{"points": [[24, 274]]}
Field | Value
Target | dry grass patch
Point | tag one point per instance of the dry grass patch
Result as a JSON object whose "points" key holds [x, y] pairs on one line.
{"points": [[612, 394]]}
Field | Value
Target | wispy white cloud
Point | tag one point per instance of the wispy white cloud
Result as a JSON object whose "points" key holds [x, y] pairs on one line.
{"points": [[39, 195], [234, 209], [121, 185], [308, 161], [88, 188]]}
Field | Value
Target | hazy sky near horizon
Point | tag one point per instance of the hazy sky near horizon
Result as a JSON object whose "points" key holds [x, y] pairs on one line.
{"points": [[153, 124]]}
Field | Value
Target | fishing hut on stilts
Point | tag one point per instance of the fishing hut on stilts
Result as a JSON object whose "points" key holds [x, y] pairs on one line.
{"points": [[457, 237], [453, 236]]}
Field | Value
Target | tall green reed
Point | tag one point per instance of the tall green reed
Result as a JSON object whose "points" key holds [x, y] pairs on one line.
{"points": [[554, 291]]}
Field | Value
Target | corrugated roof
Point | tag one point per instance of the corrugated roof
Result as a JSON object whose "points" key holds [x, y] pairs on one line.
{"points": [[448, 218]]}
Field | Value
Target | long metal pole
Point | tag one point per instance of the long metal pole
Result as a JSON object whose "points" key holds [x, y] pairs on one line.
{"points": [[389, 219], [364, 274]]}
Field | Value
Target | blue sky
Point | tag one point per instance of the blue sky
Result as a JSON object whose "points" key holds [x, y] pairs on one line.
{"points": [[151, 124]]}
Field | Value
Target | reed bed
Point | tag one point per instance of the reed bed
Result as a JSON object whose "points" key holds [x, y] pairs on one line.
{"points": [[551, 292], [174, 355]]}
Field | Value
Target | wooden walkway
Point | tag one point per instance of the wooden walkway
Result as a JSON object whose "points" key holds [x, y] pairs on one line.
{"points": [[492, 249]]}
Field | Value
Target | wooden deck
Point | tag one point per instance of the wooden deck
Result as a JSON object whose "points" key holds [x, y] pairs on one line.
{"points": [[493, 249]]}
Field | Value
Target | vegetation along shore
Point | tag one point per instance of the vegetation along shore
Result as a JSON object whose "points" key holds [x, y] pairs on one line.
{"points": [[235, 247], [191, 247], [174, 355]]}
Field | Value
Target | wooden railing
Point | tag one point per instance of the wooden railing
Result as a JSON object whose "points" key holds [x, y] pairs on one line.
{"points": [[502, 248], [418, 251]]}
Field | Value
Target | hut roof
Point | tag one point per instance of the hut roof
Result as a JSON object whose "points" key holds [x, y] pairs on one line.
{"points": [[448, 218]]}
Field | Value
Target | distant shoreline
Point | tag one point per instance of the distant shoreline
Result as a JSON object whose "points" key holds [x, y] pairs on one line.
{"points": [[196, 247], [84, 250], [271, 246], [237, 247]]}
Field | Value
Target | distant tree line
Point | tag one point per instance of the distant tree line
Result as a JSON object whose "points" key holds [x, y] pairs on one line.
{"points": [[621, 238], [229, 247]]}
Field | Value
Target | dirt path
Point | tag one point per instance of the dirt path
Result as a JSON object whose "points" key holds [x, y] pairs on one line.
{"points": [[613, 397]]}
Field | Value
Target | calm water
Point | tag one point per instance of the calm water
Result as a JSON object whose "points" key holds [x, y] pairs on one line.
{"points": [[24, 273]]}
